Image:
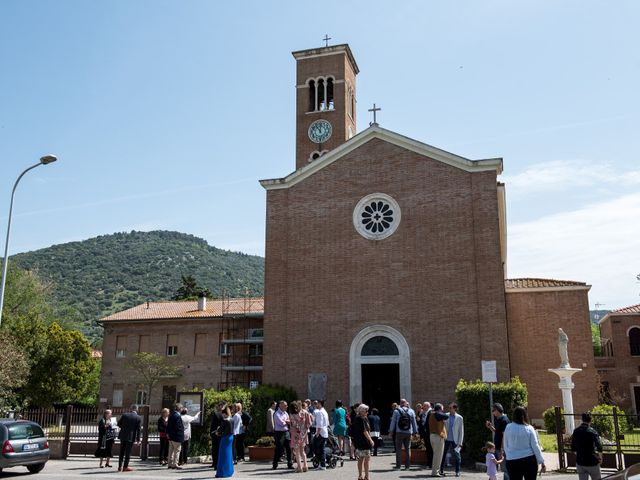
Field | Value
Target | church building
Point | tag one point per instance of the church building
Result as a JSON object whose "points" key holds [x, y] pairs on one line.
{"points": [[386, 264], [385, 277]]}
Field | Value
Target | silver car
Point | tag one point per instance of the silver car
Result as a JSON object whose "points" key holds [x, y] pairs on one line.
{"points": [[23, 444]]}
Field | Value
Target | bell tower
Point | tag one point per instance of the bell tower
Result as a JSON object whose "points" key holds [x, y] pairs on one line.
{"points": [[325, 100]]}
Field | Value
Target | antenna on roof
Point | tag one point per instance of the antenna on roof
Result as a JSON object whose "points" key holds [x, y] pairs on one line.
{"points": [[596, 316], [147, 304]]}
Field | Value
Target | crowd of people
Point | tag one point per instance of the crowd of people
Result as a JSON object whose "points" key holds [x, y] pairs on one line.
{"points": [[301, 431]]}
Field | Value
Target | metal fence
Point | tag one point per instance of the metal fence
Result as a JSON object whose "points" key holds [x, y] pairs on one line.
{"points": [[619, 433], [77, 428]]}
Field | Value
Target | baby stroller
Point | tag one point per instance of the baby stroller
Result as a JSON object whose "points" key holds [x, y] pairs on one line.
{"points": [[331, 452]]}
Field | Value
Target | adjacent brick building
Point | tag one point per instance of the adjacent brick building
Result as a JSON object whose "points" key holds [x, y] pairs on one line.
{"points": [[619, 364], [216, 344], [385, 270]]}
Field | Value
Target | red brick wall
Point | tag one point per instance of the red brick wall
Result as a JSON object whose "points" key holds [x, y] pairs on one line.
{"points": [[534, 319], [438, 279], [624, 371]]}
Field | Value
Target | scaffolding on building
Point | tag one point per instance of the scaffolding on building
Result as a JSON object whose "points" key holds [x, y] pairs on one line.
{"points": [[241, 341]]}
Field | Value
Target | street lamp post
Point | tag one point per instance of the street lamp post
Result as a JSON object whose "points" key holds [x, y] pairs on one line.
{"points": [[43, 161]]}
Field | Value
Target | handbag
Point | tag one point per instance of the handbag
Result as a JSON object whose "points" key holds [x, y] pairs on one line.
{"points": [[111, 434]]}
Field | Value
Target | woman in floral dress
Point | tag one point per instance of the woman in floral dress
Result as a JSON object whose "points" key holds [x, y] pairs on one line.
{"points": [[300, 423]]}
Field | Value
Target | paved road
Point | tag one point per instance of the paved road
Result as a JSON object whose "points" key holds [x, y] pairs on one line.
{"points": [[381, 469]]}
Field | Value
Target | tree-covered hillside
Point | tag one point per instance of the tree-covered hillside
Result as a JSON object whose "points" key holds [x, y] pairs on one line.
{"points": [[102, 275]]}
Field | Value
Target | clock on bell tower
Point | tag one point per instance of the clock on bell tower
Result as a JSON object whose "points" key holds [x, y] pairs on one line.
{"points": [[325, 100]]}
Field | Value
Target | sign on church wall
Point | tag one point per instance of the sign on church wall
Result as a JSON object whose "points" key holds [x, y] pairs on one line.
{"points": [[317, 386]]}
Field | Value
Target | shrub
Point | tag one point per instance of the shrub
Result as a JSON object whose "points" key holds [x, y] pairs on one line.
{"points": [[256, 402], [200, 435], [261, 398], [473, 405], [265, 442], [603, 421], [549, 416]]}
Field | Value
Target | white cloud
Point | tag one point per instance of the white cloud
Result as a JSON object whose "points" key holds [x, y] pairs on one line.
{"points": [[597, 244], [565, 174]]}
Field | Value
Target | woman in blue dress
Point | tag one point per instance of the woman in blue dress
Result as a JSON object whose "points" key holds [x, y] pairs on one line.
{"points": [[225, 455], [340, 426]]}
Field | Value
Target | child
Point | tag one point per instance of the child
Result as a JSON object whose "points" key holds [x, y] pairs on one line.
{"points": [[491, 461]]}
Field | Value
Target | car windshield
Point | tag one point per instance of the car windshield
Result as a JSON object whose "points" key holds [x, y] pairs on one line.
{"points": [[23, 431]]}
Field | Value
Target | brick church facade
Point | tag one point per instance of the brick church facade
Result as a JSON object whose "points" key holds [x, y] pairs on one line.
{"points": [[366, 309], [385, 268]]}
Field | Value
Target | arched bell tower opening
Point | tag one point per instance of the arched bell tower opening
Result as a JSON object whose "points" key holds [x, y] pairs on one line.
{"points": [[379, 369]]}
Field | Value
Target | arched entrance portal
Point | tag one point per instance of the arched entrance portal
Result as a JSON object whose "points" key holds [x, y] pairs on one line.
{"points": [[379, 369]]}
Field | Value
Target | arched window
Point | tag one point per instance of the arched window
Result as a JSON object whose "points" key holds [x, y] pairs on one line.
{"points": [[634, 341], [353, 105], [321, 94], [312, 96], [379, 346], [350, 101]]}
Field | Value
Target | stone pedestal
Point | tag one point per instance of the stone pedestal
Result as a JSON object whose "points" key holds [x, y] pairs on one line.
{"points": [[566, 385]]}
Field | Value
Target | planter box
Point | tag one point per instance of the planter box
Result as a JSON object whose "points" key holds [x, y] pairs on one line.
{"points": [[261, 454], [418, 456]]}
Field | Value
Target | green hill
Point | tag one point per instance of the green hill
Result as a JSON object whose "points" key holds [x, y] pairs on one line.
{"points": [[99, 276]]}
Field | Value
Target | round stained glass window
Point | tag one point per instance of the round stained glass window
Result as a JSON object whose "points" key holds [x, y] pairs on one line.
{"points": [[376, 216]]}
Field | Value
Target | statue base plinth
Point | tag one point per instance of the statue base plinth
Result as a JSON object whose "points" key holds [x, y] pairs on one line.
{"points": [[566, 385]]}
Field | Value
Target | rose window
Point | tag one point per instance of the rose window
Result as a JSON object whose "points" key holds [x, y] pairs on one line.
{"points": [[376, 216]]}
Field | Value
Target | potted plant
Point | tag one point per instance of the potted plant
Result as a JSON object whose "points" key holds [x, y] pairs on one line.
{"points": [[418, 451], [263, 450]]}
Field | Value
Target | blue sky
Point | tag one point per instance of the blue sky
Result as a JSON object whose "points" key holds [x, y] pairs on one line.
{"points": [[165, 114]]}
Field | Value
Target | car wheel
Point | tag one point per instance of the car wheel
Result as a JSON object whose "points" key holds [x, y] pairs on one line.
{"points": [[35, 468]]}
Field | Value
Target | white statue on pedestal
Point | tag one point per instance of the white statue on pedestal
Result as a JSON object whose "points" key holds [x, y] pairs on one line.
{"points": [[563, 343], [565, 372]]}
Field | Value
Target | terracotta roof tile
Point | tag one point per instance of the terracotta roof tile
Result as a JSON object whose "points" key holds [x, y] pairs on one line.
{"points": [[631, 309], [540, 283], [189, 309]]}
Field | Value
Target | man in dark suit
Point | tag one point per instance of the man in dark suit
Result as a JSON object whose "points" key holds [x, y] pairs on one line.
{"points": [[216, 421], [175, 432], [129, 424]]}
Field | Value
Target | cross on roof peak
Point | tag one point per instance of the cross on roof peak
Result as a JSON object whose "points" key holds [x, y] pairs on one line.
{"points": [[326, 39], [374, 110]]}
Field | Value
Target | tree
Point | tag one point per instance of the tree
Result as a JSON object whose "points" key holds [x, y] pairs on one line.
{"points": [[595, 339], [14, 370], [63, 374], [89, 396], [59, 365], [150, 368], [189, 290]]}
